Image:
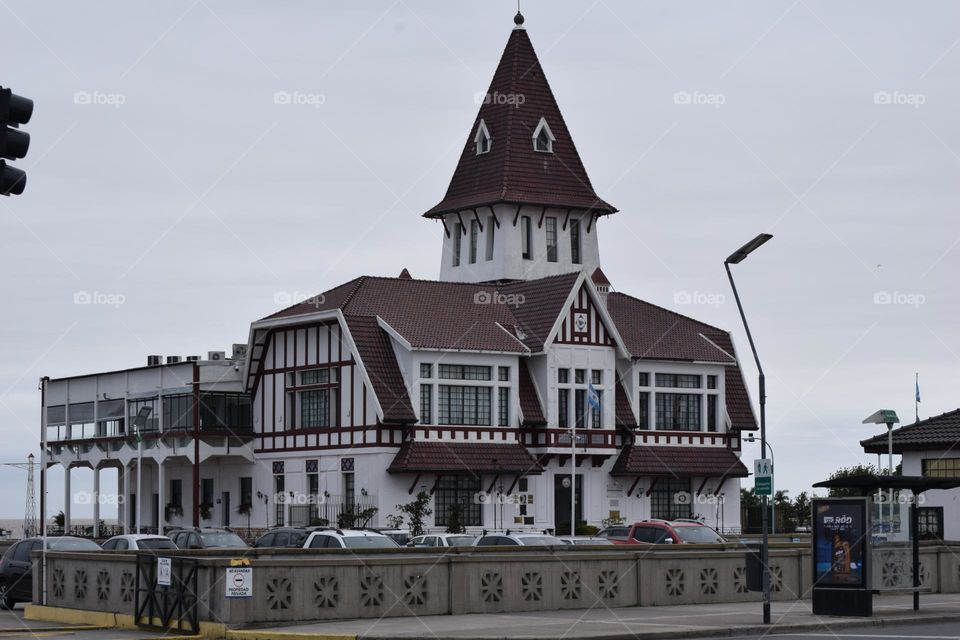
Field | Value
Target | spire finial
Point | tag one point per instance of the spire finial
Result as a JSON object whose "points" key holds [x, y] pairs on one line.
{"points": [[518, 19]]}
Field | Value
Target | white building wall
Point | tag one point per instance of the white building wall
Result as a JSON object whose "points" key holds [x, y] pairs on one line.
{"points": [[949, 500]]}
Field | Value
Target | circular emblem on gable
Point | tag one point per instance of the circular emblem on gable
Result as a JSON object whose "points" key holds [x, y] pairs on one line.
{"points": [[580, 321]]}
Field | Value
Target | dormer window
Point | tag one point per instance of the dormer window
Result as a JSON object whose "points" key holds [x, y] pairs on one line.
{"points": [[543, 137], [482, 139]]}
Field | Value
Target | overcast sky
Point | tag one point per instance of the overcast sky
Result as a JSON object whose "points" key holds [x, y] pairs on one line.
{"points": [[164, 176]]}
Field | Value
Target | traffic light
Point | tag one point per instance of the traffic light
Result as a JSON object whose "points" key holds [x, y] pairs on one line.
{"points": [[14, 111]]}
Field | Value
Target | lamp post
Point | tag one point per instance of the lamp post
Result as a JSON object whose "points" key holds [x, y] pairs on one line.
{"points": [[773, 505], [737, 257], [889, 418]]}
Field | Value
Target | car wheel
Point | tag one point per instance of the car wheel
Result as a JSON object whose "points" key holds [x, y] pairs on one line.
{"points": [[6, 601]]}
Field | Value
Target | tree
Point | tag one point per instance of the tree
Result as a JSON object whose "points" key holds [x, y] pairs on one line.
{"points": [[417, 511], [801, 508], [394, 521], [455, 518], [847, 472], [749, 498]]}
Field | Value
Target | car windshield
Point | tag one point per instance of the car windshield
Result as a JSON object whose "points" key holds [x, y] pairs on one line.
{"points": [[72, 544], [698, 535], [156, 543], [531, 540], [460, 541], [369, 542], [222, 539]]}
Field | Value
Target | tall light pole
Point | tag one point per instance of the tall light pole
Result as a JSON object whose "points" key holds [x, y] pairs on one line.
{"points": [[737, 257]]}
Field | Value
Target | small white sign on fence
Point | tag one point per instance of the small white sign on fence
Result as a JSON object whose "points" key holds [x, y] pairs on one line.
{"points": [[164, 571], [239, 583]]}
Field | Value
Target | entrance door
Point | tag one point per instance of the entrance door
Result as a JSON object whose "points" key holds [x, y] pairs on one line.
{"points": [[133, 511], [225, 501], [561, 502]]}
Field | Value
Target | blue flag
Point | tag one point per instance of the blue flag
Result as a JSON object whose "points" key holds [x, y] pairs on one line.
{"points": [[918, 391], [593, 398]]}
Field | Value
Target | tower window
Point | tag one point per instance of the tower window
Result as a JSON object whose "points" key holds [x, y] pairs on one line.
{"points": [[482, 139], [543, 138], [526, 237], [457, 242], [474, 233], [551, 239], [575, 241], [490, 237]]}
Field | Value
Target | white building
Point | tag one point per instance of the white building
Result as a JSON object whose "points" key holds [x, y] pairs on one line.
{"points": [[465, 388]]}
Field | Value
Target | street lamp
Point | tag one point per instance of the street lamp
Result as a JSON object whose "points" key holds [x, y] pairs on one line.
{"points": [[773, 505], [737, 257], [889, 418]]}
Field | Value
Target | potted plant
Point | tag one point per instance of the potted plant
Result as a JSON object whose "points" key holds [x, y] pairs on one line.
{"points": [[171, 510], [205, 510], [246, 509]]}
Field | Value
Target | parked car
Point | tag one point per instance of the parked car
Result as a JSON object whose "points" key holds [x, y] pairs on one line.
{"points": [[518, 538], [443, 540], [16, 567], [206, 538], [138, 542], [284, 537], [662, 532], [585, 540], [400, 536], [348, 539]]}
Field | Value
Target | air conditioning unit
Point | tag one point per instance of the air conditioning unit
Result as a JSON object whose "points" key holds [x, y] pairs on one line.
{"points": [[239, 351], [174, 359], [193, 358], [154, 361], [216, 356]]}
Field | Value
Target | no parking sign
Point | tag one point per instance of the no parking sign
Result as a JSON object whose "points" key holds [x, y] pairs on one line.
{"points": [[239, 579]]}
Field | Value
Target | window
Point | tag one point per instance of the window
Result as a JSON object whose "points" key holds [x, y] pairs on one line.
{"points": [[579, 376], [678, 411], [678, 380], [426, 370], [474, 235], [246, 490], [663, 499], [176, 493], [503, 406], [526, 237], [464, 372], [711, 412], [315, 407], [457, 243], [579, 408], [711, 382], [940, 467], [491, 227], [482, 139], [349, 491], [563, 408], [644, 419], [575, 241], [206, 491], [503, 374], [596, 375], [551, 239], [543, 138], [459, 490], [931, 523], [644, 380], [596, 412], [426, 403], [464, 405], [279, 499], [563, 376]]}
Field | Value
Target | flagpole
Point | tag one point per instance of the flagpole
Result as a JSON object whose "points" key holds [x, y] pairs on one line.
{"points": [[916, 399], [573, 478]]}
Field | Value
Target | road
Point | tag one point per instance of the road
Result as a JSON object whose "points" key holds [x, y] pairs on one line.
{"points": [[927, 631]]}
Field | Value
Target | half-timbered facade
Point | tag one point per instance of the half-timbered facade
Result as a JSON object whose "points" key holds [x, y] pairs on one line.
{"points": [[517, 379]]}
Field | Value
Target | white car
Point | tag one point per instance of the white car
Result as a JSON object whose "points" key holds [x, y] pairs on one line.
{"points": [[138, 542], [443, 540], [581, 540], [515, 539], [348, 539]]}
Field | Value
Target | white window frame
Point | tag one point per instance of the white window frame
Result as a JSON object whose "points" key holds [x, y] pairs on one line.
{"points": [[543, 126], [482, 141]]}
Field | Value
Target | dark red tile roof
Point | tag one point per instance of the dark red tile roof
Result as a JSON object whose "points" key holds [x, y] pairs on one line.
{"points": [[530, 405], [463, 457], [376, 354], [512, 172], [624, 414], [657, 461], [599, 277], [938, 432], [542, 302]]}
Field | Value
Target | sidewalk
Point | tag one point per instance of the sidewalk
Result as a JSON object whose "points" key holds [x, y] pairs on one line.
{"points": [[637, 623]]}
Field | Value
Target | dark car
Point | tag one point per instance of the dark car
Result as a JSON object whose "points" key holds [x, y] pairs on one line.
{"points": [[662, 532], [206, 538], [284, 537], [16, 568]]}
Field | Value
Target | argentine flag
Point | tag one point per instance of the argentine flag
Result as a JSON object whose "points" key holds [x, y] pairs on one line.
{"points": [[593, 398], [918, 391]]}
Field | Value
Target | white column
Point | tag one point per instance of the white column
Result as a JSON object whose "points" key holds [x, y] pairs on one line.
{"points": [[96, 502], [67, 498], [122, 509], [161, 509]]}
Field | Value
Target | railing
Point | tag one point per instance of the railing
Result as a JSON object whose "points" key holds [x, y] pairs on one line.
{"points": [[333, 511], [86, 530]]}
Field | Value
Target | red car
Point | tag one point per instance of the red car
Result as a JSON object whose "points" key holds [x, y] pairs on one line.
{"points": [[662, 532]]}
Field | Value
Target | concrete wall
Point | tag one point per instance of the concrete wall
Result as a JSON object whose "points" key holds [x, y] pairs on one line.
{"points": [[291, 586]]}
